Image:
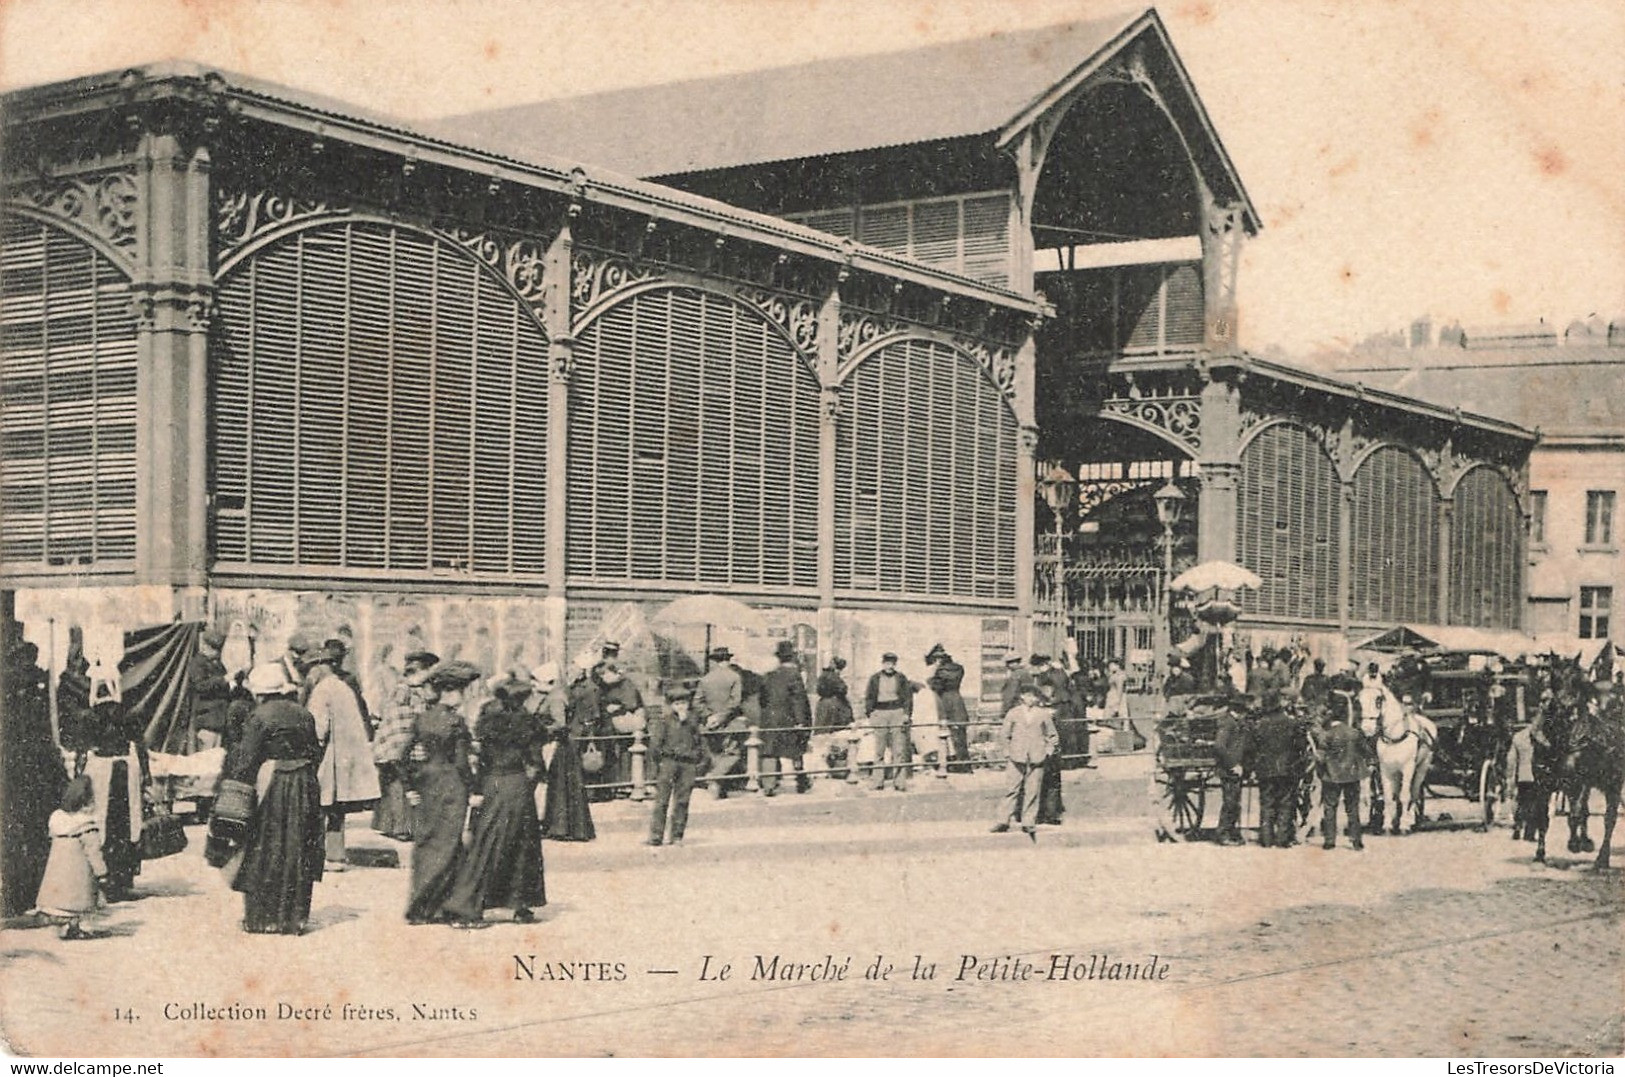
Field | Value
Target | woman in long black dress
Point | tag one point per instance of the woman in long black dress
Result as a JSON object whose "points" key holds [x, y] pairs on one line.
{"points": [[277, 753], [116, 762], [567, 815], [502, 866], [438, 782]]}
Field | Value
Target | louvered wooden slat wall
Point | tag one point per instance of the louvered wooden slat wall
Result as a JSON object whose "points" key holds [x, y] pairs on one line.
{"points": [[693, 446], [1288, 504], [967, 234], [1485, 542], [925, 477], [380, 403], [67, 401], [1395, 531]]}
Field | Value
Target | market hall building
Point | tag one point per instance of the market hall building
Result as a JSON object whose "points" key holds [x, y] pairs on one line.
{"points": [[274, 363]]}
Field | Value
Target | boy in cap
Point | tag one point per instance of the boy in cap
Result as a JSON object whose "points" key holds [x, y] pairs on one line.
{"points": [[677, 752], [1029, 739]]}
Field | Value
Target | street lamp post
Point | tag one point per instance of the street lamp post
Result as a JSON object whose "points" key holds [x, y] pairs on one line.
{"points": [[1170, 501], [1057, 486]]}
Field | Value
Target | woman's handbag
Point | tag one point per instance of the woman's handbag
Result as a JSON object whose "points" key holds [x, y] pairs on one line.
{"points": [[592, 759], [161, 835]]}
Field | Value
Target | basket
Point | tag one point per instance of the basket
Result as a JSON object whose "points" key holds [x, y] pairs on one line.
{"points": [[592, 759], [628, 722], [235, 801], [161, 835]]}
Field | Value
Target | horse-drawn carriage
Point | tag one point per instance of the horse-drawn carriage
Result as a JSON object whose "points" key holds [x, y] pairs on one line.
{"points": [[1474, 700]]}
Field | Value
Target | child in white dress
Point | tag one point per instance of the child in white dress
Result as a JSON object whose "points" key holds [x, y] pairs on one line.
{"points": [[75, 868]]}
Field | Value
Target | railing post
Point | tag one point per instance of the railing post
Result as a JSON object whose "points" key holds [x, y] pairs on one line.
{"points": [[942, 749], [640, 790], [753, 760], [854, 738]]}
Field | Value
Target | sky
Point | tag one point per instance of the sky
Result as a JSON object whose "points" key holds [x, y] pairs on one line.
{"points": [[1461, 159]]}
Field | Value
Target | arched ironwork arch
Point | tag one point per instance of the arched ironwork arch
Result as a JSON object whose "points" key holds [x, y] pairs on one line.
{"points": [[515, 265], [611, 299]]}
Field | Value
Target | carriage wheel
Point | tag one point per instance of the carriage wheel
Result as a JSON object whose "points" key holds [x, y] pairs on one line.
{"points": [[1184, 799], [1490, 783]]}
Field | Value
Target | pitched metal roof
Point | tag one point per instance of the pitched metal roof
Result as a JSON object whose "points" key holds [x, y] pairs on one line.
{"points": [[1570, 390], [253, 98], [853, 103]]}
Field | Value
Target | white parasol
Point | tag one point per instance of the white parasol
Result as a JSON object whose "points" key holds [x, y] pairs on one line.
{"points": [[715, 618], [1222, 575]]}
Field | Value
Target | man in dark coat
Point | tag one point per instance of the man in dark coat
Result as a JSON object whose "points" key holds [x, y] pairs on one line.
{"points": [[1015, 675], [888, 705], [211, 692], [1277, 762], [1069, 717], [946, 677], [1316, 688], [1340, 752], [32, 778], [786, 721], [1230, 750]]}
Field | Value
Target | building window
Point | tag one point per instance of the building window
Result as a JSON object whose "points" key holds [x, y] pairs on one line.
{"points": [[1599, 518], [1537, 517], [1595, 603]]}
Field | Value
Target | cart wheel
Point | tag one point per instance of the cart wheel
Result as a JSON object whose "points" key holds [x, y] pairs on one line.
{"points": [[1489, 791], [1184, 799]]}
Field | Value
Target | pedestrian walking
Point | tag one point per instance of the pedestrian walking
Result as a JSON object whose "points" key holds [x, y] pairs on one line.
{"points": [[1029, 739], [620, 710], [282, 856], [888, 705], [120, 776], [502, 865], [678, 753], [439, 781], [74, 870]]}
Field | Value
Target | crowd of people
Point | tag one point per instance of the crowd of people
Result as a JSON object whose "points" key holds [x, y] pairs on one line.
{"points": [[451, 762]]}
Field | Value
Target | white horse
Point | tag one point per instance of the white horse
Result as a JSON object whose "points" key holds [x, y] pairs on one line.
{"points": [[1403, 753]]}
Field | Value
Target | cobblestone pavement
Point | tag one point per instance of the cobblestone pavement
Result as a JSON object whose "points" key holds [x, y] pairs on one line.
{"points": [[1441, 943]]}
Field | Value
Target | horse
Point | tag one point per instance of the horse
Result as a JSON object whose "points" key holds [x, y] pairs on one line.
{"points": [[1580, 746], [1400, 758]]}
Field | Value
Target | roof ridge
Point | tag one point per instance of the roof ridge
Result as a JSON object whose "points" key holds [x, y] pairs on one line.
{"points": [[1121, 20]]}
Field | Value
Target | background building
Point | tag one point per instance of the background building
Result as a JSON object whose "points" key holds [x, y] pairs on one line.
{"points": [[1570, 387]]}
